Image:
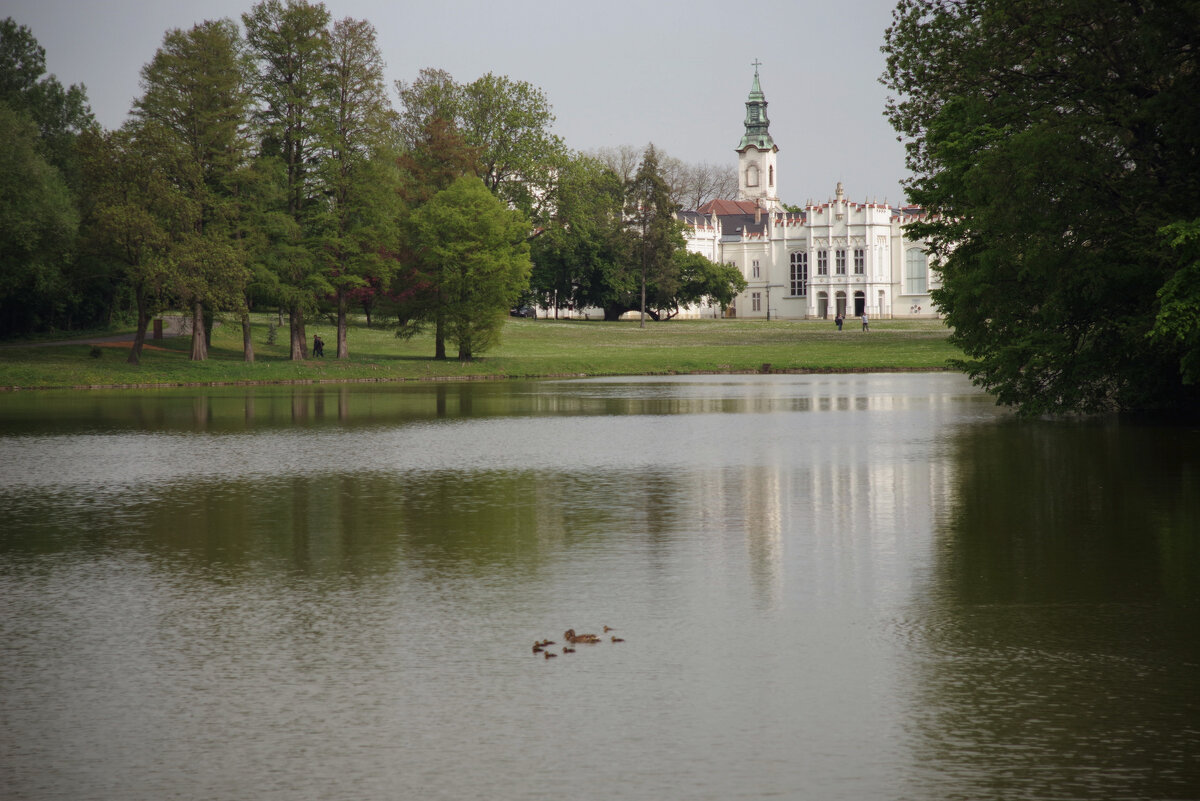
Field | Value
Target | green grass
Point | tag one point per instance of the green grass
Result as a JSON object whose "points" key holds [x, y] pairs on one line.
{"points": [[528, 348]]}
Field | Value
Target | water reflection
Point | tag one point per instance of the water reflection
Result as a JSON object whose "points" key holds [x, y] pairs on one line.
{"points": [[830, 586], [1056, 650]]}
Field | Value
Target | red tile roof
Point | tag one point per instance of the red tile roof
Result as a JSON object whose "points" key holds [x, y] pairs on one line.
{"points": [[725, 207]]}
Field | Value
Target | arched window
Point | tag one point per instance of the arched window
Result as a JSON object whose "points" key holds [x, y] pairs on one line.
{"points": [[752, 175], [916, 272], [799, 276], [771, 176]]}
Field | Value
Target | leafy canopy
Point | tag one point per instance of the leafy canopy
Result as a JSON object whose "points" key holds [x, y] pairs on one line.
{"points": [[1051, 140]]}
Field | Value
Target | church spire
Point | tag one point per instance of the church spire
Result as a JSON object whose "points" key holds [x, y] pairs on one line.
{"points": [[757, 124]]}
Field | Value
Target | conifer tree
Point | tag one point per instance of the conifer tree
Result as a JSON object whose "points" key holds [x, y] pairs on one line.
{"points": [[290, 43], [190, 123]]}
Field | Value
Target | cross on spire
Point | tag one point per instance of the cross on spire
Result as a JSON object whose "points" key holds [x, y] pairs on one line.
{"points": [[756, 64]]}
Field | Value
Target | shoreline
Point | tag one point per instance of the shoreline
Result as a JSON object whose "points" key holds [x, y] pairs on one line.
{"points": [[466, 378]]}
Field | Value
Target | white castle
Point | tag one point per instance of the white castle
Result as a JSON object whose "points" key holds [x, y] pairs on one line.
{"points": [[834, 257]]}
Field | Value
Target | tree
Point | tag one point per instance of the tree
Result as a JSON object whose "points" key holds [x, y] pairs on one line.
{"points": [[581, 258], [61, 114], [358, 172], [191, 124], [436, 162], [652, 215], [477, 248], [704, 281], [690, 185], [126, 217], [1050, 142], [38, 222], [508, 122], [291, 45]]}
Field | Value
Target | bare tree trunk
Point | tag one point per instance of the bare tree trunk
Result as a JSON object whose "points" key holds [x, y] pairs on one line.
{"points": [[139, 337], [199, 346], [247, 342], [343, 348], [439, 332], [299, 337]]}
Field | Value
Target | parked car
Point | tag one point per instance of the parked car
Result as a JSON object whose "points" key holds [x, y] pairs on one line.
{"points": [[523, 311]]}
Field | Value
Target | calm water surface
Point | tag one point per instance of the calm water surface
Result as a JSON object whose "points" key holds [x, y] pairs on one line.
{"points": [[829, 587]]}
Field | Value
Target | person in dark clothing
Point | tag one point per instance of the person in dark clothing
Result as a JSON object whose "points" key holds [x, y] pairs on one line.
{"points": [[318, 346], [839, 320]]}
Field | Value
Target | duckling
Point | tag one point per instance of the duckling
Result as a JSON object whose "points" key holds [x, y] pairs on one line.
{"points": [[549, 655], [544, 643], [607, 629], [537, 647], [617, 639], [568, 650]]}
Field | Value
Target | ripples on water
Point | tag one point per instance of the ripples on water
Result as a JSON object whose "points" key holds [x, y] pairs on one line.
{"points": [[829, 587]]}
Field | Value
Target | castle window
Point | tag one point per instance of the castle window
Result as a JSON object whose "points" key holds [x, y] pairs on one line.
{"points": [[916, 272], [754, 269], [755, 301], [860, 261], [799, 273], [822, 262], [752, 175], [840, 261], [770, 176]]}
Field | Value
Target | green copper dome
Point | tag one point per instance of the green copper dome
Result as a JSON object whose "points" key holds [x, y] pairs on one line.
{"points": [[757, 135]]}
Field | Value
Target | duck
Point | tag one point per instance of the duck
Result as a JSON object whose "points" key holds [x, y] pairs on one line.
{"points": [[549, 655], [568, 650], [617, 639], [607, 629], [571, 637], [537, 647], [544, 643]]}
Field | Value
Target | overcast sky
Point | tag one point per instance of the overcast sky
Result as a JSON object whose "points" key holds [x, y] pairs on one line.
{"points": [[617, 73]]}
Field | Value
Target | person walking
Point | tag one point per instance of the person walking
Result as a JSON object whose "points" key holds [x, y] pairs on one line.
{"points": [[866, 324], [839, 320]]}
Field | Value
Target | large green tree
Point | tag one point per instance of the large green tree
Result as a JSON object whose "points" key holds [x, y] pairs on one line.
{"points": [[127, 220], [191, 124], [38, 222], [357, 171], [431, 165], [1050, 141], [60, 113], [478, 249], [506, 120], [290, 43], [651, 214], [582, 257]]}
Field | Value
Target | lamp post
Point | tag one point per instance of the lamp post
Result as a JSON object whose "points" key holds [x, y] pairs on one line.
{"points": [[768, 287]]}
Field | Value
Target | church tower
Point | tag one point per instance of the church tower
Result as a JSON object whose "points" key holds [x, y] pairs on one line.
{"points": [[757, 175]]}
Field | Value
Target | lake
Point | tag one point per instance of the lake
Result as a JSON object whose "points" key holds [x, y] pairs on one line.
{"points": [[825, 586]]}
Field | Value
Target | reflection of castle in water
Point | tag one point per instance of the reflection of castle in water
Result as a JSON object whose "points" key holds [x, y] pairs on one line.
{"points": [[831, 514]]}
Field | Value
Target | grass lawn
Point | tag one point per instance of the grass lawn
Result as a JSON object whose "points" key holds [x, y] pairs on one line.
{"points": [[528, 348]]}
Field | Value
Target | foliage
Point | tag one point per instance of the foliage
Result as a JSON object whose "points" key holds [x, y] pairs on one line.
{"points": [[357, 171], [506, 121], [290, 45], [650, 213], [60, 113], [190, 124], [582, 255], [1177, 325], [1050, 141], [38, 221], [476, 250]]}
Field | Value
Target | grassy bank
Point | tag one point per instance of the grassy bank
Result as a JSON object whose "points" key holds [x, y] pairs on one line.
{"points": [[528, 348]]}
